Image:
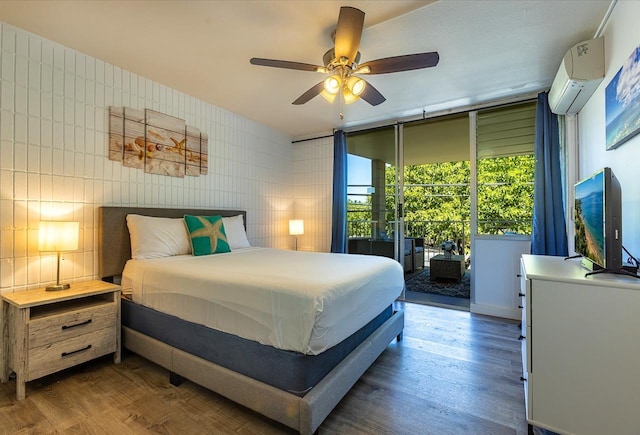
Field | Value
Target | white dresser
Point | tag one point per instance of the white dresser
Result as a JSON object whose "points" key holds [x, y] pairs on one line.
{"points": [[580, 348]]}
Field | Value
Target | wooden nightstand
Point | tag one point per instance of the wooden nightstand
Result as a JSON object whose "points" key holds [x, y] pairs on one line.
{"points": [[47, 331]]}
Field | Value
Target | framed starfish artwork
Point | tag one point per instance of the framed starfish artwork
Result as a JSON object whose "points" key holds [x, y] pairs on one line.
{"points": [[157, 143]]}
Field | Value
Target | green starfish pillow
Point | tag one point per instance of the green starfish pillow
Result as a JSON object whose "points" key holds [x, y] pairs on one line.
{"points": [[207, 234]]}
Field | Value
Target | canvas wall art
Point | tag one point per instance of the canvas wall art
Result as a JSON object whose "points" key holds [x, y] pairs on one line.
{"points": [[622, 104], [158, 143]]}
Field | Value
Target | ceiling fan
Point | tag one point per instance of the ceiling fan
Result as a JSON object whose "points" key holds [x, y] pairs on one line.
{"points": [[342, 64]]}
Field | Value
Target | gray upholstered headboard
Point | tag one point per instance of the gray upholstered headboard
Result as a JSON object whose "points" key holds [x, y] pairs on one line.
{"points": [[114, 245]]}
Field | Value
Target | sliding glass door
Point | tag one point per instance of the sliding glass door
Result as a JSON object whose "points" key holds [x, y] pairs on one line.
{"points": [[374, 194], [408, 186], [434, 187], [436, 182]]}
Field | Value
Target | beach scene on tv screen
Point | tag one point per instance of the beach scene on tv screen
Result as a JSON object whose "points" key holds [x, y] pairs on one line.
{"points": [[589, 219]]}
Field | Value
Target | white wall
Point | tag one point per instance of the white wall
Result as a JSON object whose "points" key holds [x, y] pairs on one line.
{"points": [[53, 160], [313, 168], [494, 274], [622, 36]]}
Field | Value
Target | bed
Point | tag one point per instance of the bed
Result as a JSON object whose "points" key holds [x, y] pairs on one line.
{"points": [[298, 381]]}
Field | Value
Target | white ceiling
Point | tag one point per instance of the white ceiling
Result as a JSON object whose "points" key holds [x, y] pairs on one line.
{"points": [[488, 49]]}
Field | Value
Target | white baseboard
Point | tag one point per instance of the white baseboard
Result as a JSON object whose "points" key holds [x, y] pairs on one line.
{"points": [[496, 311]]}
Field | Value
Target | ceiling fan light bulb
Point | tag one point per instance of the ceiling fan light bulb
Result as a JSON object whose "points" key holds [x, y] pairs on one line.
{"points": [[332, 84], [356, 85]]}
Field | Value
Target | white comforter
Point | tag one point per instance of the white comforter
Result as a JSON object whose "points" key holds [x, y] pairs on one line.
{"points": [[301, 301]]}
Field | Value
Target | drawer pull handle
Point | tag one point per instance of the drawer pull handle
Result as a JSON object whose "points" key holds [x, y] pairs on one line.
{"points": [[86, 322], [520, 306], [522, 337], [521, 295], [523, 379], [65, 354]]}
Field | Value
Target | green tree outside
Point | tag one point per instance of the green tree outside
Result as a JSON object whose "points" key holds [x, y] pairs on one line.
{"points": [[437, 200]]}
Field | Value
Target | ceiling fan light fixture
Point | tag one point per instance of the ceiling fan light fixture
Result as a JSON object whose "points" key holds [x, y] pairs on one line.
{"points": [[327, 96], [349, 97], [342, 62], [332, 84], [356, 85]]}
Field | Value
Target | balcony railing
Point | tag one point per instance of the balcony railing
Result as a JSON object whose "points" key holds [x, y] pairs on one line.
{"points": [[434, 232], [437, 232]]}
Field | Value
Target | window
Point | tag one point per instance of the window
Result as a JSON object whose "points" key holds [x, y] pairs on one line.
{"points": [[436, 176], [505, 169], [359, 191], [370, 155]]}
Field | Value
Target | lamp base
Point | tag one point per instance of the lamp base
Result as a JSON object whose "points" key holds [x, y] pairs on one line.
{"points": [[57, 287]]}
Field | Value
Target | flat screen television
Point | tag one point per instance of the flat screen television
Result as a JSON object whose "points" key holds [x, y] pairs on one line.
{"points": [[598, 221]]}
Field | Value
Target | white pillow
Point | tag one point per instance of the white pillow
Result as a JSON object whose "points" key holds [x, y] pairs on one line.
{"points": [[155, 237], [236, 234]]}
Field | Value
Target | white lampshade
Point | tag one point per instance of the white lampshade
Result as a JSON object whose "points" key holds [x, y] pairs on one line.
{"points": [[57, 236], [296, 227]]}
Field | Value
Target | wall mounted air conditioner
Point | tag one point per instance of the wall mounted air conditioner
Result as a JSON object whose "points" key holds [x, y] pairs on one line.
{"points": [[580, 73]]}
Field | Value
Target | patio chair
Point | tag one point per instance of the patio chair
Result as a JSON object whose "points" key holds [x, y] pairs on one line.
{"points": [[413, 248]]}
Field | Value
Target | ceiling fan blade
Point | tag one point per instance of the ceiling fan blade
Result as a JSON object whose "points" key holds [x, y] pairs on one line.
{"points": [[400, 63], [372, 96], [286, 64], [309, 94], [348, 33]]}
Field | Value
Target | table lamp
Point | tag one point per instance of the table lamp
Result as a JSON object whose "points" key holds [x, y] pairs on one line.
{"points": [[296, 228], [58, 236]]}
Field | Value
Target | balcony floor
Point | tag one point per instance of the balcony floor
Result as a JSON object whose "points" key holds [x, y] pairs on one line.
{"points": [[437, 300]]}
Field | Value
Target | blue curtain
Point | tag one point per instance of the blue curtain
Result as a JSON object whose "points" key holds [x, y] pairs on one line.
{"points": [[339, 211], [549, 235]]}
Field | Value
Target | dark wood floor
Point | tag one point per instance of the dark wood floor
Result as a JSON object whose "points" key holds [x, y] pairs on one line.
{"points": [[454, 373]]}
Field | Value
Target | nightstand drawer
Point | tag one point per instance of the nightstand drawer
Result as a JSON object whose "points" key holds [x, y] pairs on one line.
{"points": [[51, 329], [51, 358]]}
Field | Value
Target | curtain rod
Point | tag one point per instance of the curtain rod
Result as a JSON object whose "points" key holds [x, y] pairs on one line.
{"points": [[312, 138]]}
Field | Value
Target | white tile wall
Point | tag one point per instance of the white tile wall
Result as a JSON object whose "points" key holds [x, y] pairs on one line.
{"points": [[313, 167], [53, 158]]}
